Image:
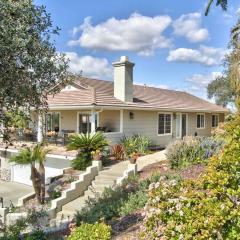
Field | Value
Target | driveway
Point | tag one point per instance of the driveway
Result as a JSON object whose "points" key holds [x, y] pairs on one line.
{"points": [[12, 191]]}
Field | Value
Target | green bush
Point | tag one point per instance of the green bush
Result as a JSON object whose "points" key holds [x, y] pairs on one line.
{"points": [[135, 201], [97, 231], [192, 150], [82, 161], [36, 235], [135, 145], [205, 208], [88, 146]]}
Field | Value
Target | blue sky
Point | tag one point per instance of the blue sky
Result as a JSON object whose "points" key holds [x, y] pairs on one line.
{"points": [[171, 42]]}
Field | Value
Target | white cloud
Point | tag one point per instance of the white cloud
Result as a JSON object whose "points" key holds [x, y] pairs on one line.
{"points": [[201, 81], [90, 66], [189, 26], [137, 33], [207, 56]]}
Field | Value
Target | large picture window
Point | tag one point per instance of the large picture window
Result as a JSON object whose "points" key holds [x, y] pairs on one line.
{"points": [[52, 121], [215, 120], [200, 120], [164, 123]]}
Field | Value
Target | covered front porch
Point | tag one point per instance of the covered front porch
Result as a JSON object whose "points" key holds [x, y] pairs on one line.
{"points": [[56, 125]]}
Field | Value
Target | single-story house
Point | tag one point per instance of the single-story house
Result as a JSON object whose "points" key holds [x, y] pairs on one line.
{"points": [[121, 108]]}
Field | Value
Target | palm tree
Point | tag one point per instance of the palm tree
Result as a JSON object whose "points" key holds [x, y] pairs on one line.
{"points": [[32, 157], [222, 3]]}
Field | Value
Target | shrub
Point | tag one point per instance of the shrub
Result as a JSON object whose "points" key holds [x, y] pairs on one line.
{"points": [[135, 145], [97, 231], [36, 235], [117, 151], [192, 150], [134, 202], [82, 161], [88, 146], [206, 208]]}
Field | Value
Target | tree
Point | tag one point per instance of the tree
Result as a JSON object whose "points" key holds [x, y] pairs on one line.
{"points": [[221, 91], [30, 66], [32, 157], [222, 3]]}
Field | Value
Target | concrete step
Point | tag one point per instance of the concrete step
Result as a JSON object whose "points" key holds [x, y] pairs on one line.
{"points": [[107, 182], [105, 177]]}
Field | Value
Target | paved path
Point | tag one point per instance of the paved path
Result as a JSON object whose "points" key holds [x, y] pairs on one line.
{"points": [[150, 159], [12, 191]]}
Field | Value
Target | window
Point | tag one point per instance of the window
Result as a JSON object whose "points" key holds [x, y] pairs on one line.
{"points": [[215, 120], [200, 121], [52, 121], [164, 123]]}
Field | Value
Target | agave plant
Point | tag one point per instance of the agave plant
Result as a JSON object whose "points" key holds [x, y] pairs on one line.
{"points": [[32, 157], [88, 145]]}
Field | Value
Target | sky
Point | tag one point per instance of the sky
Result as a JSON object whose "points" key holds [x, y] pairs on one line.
{"points": [[172, 43]]}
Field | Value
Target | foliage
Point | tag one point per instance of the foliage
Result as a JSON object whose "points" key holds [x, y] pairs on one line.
{"points": [[97, 231], [134, 202], [88, 145], [192, 150], [30, 66], [37, 235], [117, 151], [205, 208], [33, 220], [113, 203], [222, 3], [82, 161], [136, 144], [221, 91], [31, 156]]}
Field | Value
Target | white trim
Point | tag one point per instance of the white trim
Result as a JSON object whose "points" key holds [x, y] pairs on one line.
{"points": [[165, 134], [203, 114], [88, 107]]}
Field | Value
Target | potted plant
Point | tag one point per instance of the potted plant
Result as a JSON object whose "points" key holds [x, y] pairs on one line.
{"points": [[133, 157]]}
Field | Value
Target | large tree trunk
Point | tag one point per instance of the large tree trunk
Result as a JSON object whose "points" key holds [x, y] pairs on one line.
{"points": [[36, 181], [42, 175]]}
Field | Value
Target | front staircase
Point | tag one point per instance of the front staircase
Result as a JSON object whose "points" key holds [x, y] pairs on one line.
{"points": [[105, 179]]}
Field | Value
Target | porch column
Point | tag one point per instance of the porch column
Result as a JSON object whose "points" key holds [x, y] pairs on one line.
{"points": [[93, 121], [40, 129], [121, 121]]}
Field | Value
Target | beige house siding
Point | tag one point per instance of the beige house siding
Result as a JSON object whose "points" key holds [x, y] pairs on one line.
{"points": [[144, 123], [110, 119]]}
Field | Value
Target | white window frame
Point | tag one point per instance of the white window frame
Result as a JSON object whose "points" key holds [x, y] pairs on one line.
{"points": [[216, 115], [60, 119], [164, 134], [202, 114]]}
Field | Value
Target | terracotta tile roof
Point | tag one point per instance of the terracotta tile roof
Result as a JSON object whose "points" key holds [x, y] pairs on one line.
{"points": [[100, 93]]}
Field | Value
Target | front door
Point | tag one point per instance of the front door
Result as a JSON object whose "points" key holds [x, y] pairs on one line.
{"points": [[84, 123], [181, 125]]}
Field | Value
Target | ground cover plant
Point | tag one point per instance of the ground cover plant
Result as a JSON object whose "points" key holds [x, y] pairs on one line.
{"points": [[203, 208], [192, 150], [86, 231]]}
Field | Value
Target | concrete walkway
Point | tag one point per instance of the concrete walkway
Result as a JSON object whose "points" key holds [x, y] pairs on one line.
{"points": [[12, 191], [150, 159]]}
